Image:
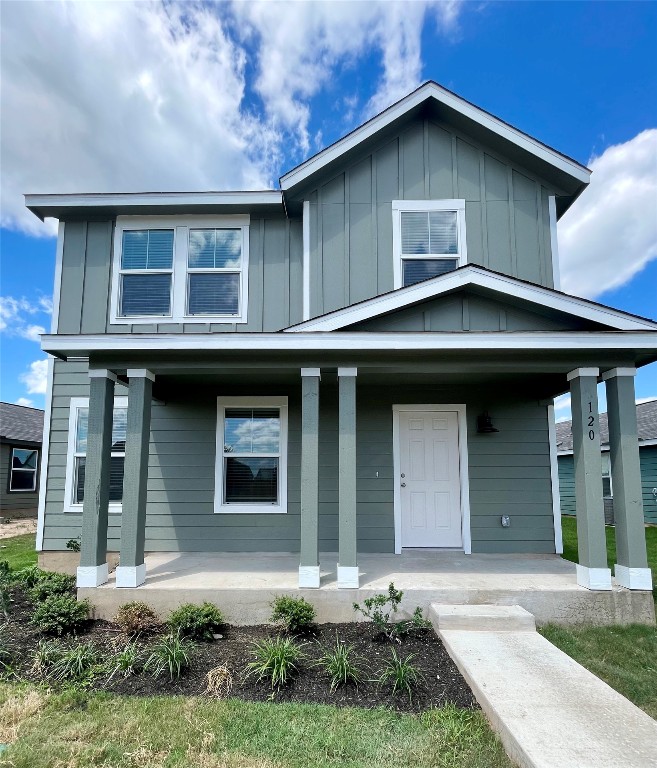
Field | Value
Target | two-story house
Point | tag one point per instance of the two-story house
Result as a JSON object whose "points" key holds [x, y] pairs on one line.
{"points": [[362, 361]]}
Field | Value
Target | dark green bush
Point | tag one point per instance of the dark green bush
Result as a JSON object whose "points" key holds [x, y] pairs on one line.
{"points": [[51, 583], [295, 613], [61, 615], [200, 622], [136, 618]]}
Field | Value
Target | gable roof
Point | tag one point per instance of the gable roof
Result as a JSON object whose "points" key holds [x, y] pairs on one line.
{"points": [[17, 422], [471, 275], [646, 421], [573, 175]]}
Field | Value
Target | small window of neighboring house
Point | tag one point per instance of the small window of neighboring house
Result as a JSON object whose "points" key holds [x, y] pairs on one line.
{"points": [[428, 239], [251, 472], [188, 269], [606, 476], [77, 454], [23, 470]]}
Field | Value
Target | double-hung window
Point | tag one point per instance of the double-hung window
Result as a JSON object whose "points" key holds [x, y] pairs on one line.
{"points": [[428, 239], [23, 470], [186, 269], [251, 470], [77, 454], [607, 491]]}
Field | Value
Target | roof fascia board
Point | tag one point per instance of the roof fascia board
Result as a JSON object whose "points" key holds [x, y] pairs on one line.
{"points": [[451, 100], [461, 278], [272, 342]]}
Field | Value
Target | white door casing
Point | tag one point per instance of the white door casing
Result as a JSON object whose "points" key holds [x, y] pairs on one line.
{"points": [[431, 477]]}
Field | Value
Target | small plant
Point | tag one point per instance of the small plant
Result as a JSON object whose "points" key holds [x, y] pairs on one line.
{"points": [[218, 682], [379, 608], [28, 577], [77, 664], [61, 615], [5, 587], [415, 625], [295, 613], [275, 660], [401, 673], [338, 664], [171, 654], [73, 544], [199, 622], [136, 618], [51, 583], [6, 661], [46, 654], [126, 662]]}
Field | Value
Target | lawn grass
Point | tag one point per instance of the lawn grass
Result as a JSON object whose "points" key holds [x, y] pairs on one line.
{"points": [[625, 657], [76, 730], [19, 551]]}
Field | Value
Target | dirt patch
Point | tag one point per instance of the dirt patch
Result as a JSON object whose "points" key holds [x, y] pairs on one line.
{"points": [[17, 528], [441, 682]]}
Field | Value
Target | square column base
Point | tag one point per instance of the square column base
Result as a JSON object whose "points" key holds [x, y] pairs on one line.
{"points": [[130, 575], [594, 578], [91, 575], [633, 578], [348, 577], [308, 577]]}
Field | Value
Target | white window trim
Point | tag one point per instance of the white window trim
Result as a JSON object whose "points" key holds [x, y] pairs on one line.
{"points": [[423, 206], [181, 226], [250, 509], [605, 456], [69, 486], [13, 469]]}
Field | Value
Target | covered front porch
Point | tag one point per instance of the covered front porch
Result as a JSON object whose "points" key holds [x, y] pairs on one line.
{"points": [[244, 588]]}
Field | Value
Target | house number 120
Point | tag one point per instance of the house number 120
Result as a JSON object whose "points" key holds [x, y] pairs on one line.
{"points": [[591, 421]]}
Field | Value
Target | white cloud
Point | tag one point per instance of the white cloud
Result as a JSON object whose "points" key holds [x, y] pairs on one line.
{"points": [[153, 96], [36, 377], [648, 399], [24, 401], [14, 320], [610, 233]]}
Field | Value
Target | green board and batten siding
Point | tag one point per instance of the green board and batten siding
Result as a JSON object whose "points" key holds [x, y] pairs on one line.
{"points": [[509, 473]]}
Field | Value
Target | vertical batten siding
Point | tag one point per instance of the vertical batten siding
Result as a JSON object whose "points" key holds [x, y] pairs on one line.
{"points": [[567, 484], [648, 459], [507, 213]]}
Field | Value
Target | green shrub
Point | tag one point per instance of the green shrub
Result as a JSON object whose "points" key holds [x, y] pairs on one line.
{"points": [[136, 618], [6, 661], [51, 583], [28, 577], [78, 664], [127, 661], [199, 622], [5, 587], [295, 613], [61, 615], [74, 544], [379, 609], [275, 660], [413, 626], [171, 654], [401, 673], [338, 664]]}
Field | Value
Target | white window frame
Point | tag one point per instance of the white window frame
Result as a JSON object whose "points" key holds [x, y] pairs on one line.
{"points": [[220, 507], [180, 271], [71, 454], [606, 463], [425, 206], [13, 469]]}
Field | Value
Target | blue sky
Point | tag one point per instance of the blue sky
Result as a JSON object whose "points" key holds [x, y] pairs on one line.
{"points": [[128, 97]]}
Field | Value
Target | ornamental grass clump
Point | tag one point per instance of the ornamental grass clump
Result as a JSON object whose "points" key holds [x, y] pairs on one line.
{"points": [[128, 661], [136, 618], [61, 615], [401, 673], [275, 660], [295, 613], [218, 682], [172, 654], [45, 655], [78, 664], [198, 622], [338, 664]]}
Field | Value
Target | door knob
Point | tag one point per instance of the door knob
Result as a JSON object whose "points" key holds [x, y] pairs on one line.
{"points": [[403, 485]]}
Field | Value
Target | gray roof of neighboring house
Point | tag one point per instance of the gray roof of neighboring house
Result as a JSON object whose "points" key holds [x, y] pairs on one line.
{"points": [[646, 419], [17, 422]]}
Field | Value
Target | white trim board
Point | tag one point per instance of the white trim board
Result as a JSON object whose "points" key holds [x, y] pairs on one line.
{"points": [[554, 481], [306, 260], [464, 472], [431, 90], [462, 278]]}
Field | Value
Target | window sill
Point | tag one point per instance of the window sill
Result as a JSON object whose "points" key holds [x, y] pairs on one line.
{"points": [[193, 320], [23, 490], [113, 509], [249, 509]]}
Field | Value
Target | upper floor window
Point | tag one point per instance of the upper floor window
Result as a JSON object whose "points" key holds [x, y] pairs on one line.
{"points": [[428, 239], [23, 470], [187, 269]]}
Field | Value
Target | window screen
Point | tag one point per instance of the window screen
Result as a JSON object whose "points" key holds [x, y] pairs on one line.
{"points": [[429, 244]]}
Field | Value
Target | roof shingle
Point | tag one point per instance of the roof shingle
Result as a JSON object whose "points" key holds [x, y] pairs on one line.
{"points": [[646, 418], [17, 422]]}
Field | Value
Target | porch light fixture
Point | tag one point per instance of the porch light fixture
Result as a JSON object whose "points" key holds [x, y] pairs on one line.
{"points": [[485, 424]]}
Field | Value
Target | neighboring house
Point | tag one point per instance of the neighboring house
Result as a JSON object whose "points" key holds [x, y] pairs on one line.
{"points": [[21, 432], [646, 419], [363, 360]]}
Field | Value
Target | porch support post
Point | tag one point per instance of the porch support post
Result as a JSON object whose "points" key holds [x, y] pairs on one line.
{"points": [[131, 571], [92, 571], [309, 563], [631, 570], [592, 570], [347, 555]]}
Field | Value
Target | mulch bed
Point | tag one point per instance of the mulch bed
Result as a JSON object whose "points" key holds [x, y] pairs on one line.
{"points": [[442, 683]]}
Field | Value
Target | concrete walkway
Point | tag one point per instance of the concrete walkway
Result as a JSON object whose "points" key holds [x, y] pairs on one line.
{"points": [[548, 710]]}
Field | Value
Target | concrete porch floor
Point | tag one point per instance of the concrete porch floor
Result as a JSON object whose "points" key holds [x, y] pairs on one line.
{"points": [[243, 586]]}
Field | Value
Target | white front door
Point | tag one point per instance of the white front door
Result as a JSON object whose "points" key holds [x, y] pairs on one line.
{"points": [[430, 482]]}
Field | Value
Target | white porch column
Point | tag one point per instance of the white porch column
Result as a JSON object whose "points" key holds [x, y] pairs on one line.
{"points": [[592, 570], [309, 559], [631, 570], [348, 576]]}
